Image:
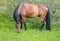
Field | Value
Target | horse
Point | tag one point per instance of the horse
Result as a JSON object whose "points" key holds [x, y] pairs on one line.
{"points": [[27, 10]]}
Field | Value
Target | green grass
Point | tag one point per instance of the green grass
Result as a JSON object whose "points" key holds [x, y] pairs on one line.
{"points": [[8, 31]]}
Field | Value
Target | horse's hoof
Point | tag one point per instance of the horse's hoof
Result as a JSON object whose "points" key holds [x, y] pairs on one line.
{"points": [[18, 31], [48, 30], [25, 29], [40, 30]]}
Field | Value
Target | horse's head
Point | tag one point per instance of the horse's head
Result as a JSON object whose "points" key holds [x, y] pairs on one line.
{"points": [[18, 27]]}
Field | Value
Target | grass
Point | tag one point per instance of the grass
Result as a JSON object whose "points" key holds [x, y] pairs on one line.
{"points": [[8, 31], [29, 35]]}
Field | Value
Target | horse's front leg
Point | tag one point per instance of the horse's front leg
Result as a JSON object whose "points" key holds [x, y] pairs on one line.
{"points": [[21, 24], [24, 21], [25, 25]]}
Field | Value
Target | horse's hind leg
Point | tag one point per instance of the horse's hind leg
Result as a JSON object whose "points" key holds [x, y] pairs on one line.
{"points": [[42, 22], [41, 25]]}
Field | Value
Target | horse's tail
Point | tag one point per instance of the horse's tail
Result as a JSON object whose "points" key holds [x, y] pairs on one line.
{"points": [[16, 16], [48, 19]]}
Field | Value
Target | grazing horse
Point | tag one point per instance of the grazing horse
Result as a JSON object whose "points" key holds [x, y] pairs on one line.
{"points": [[24, 10]]}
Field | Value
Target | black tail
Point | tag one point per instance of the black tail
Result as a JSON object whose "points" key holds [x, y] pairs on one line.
{"points": [[16, 16], [48, 20]]}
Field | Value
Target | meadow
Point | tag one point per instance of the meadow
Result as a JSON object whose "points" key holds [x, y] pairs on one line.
{"points": [[7, 24]]}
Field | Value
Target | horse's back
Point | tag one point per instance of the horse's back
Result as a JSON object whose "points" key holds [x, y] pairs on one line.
{"points": [[32, 10], [29, 10], [34, 6]]}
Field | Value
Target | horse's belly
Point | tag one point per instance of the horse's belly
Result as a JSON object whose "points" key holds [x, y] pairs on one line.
{"points": [[32, 15]]}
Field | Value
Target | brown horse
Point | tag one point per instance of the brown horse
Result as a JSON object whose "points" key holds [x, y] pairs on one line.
{"points": [[25, 10]]}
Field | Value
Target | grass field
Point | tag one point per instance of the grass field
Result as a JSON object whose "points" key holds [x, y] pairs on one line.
{"points": [[8, 31]]}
